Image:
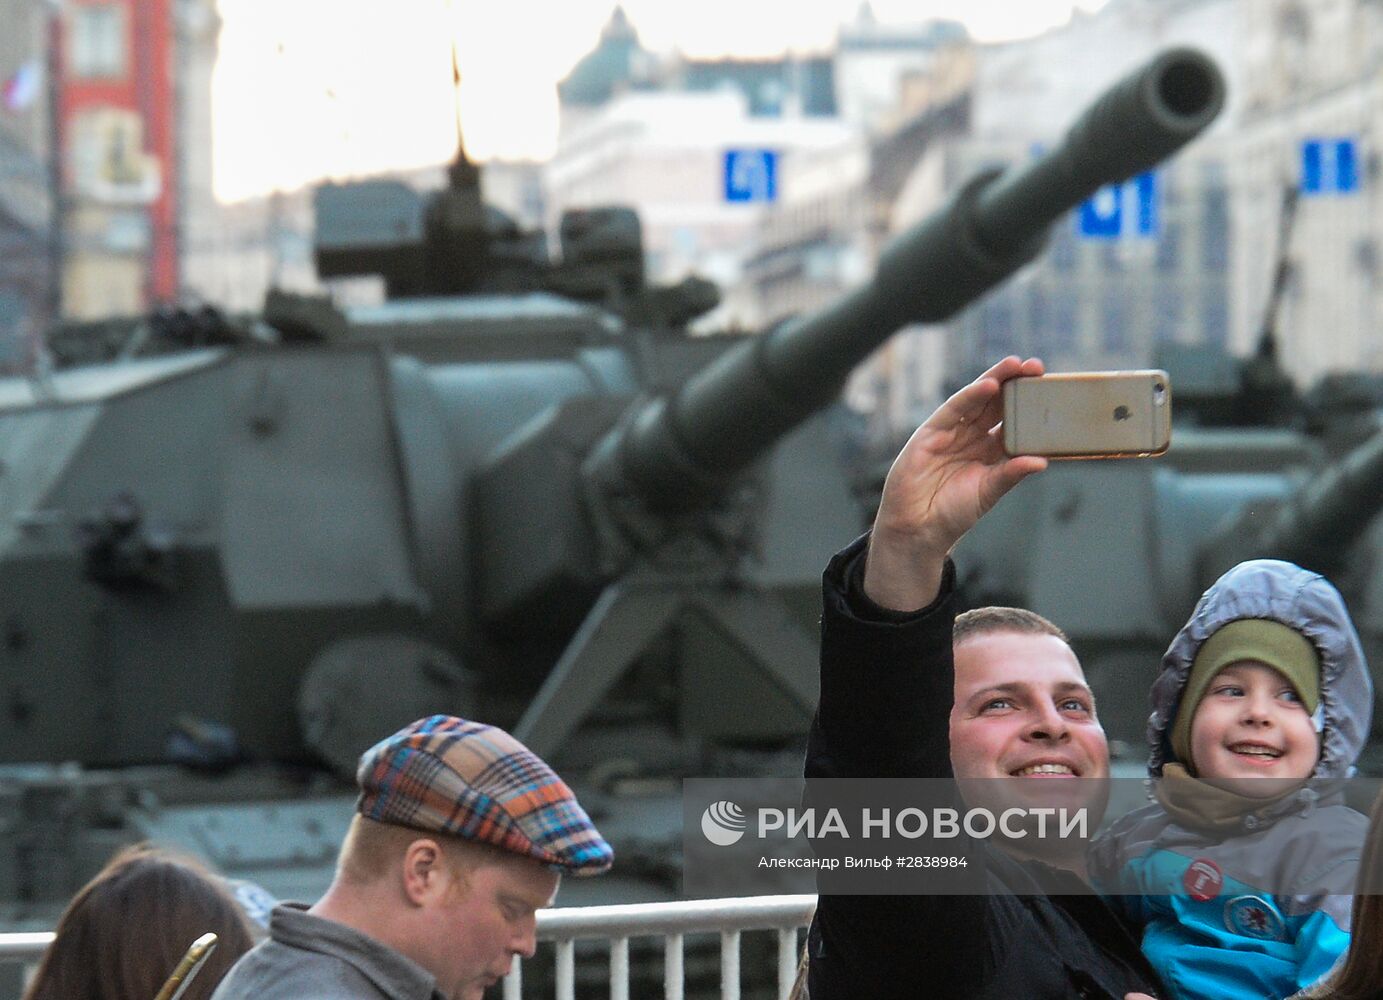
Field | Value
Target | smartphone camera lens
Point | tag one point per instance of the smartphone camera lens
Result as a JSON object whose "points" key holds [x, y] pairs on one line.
{"points": [[1159, 394]]}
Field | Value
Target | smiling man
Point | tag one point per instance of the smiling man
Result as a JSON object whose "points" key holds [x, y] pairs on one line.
{"points": [[1037, 722], [461, 836], [996, 699]]}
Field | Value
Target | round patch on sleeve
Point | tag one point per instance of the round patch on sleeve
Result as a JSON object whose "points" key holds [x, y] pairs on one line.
{"points": [[1203, 880], [1255, 917]]}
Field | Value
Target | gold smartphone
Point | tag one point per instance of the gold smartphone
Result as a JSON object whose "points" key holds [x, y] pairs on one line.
{"points": [[190, 965], [1122, 414]]}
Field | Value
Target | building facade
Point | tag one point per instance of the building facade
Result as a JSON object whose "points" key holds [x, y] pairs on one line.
{"points": [[1312, 127], [117, 124], [122, 219], [27, 289]]}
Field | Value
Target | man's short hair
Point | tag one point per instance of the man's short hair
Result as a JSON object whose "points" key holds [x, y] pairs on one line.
{"points": [[982, 621], [373, 850]]}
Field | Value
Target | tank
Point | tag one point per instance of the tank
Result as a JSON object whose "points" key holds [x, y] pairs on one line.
{"points": [[236, 551]]}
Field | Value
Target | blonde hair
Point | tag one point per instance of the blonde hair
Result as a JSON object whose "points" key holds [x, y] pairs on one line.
{"points": [[982, 621], [373, 849]]}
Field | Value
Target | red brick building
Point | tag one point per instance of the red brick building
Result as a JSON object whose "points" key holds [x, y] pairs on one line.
{"points": [[117, 119]]}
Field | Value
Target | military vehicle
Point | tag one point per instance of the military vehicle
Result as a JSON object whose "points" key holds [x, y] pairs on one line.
{"points": [[235, 550]]}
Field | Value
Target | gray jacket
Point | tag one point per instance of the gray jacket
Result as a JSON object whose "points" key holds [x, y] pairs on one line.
{"points": [[1278, 887], [310, 958]]}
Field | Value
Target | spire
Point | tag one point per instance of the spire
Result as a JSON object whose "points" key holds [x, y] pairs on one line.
{"points": [[463, 173], [619, 27]]}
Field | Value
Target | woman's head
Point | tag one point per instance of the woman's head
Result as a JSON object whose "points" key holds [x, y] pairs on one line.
{"points": [[125, 931]]}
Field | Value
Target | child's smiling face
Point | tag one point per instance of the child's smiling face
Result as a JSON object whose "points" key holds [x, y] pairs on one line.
{"points": [[1251, 724]]}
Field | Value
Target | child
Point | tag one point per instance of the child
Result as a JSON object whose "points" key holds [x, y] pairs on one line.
{"points": [[1240, 872]]}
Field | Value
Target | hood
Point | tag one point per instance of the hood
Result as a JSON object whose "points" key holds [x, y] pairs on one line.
{"points": [[1305, 601]]}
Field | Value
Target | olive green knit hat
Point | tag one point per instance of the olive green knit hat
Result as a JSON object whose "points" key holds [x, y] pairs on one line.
{"points": [[1259, 639]]}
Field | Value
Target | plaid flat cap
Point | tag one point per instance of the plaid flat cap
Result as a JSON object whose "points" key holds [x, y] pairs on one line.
{"points": [[466, 779]]}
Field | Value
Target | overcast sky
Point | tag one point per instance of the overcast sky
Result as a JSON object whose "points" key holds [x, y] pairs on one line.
{"points": [[311, 88]]}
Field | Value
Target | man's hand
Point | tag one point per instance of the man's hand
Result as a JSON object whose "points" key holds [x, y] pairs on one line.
{"points": [[952, 470], [1139, 996]]}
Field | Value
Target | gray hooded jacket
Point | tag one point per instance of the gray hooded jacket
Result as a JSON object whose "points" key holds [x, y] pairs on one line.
{"points": [[1261, 908]]}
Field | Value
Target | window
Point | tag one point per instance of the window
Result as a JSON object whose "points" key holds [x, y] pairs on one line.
{"points": [[1166, 314], [1114, 318], [1039, 322], [996, 324], [1063, 248], [1169, 246], [1063, 320], [1215, 229], [1112, 256], [1215, 314], [97, 44]]}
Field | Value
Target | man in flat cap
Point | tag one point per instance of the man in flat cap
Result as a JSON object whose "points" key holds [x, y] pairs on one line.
{"points": [[461, 836]]}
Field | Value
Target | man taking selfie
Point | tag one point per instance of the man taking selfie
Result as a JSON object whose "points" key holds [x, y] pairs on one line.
{"points": [[1007, 700]]}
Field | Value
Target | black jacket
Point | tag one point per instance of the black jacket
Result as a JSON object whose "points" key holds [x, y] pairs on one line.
{"points": [[886, 692]]}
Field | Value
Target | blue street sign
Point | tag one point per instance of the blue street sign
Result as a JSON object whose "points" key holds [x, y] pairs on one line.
{"points": [[1128, 209], [1102, 214], [1146, 198], [1346, 171], [1329, 166], [751, 175], [1311, 167]]}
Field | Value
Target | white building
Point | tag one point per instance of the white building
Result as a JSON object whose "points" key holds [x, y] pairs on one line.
{"points": [[1312, 74], [1033, 88], [873, 59], [665, 154]]}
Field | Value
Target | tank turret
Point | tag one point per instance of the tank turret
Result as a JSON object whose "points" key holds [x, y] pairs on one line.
{"points": [[451, 243]]}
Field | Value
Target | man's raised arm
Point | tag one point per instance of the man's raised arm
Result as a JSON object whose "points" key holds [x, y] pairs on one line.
{"points": [[887, 686], [952, 470]]}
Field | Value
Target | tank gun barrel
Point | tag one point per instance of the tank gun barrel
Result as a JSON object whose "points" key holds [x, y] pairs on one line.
{"points": [[676, 451], [1317, 526]]}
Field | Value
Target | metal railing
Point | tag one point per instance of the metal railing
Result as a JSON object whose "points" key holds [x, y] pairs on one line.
{"points": [[672, 922], [618, 924]]}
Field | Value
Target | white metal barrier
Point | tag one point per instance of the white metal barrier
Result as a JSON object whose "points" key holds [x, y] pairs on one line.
{"points": [[671, 922], [617, 924]]}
